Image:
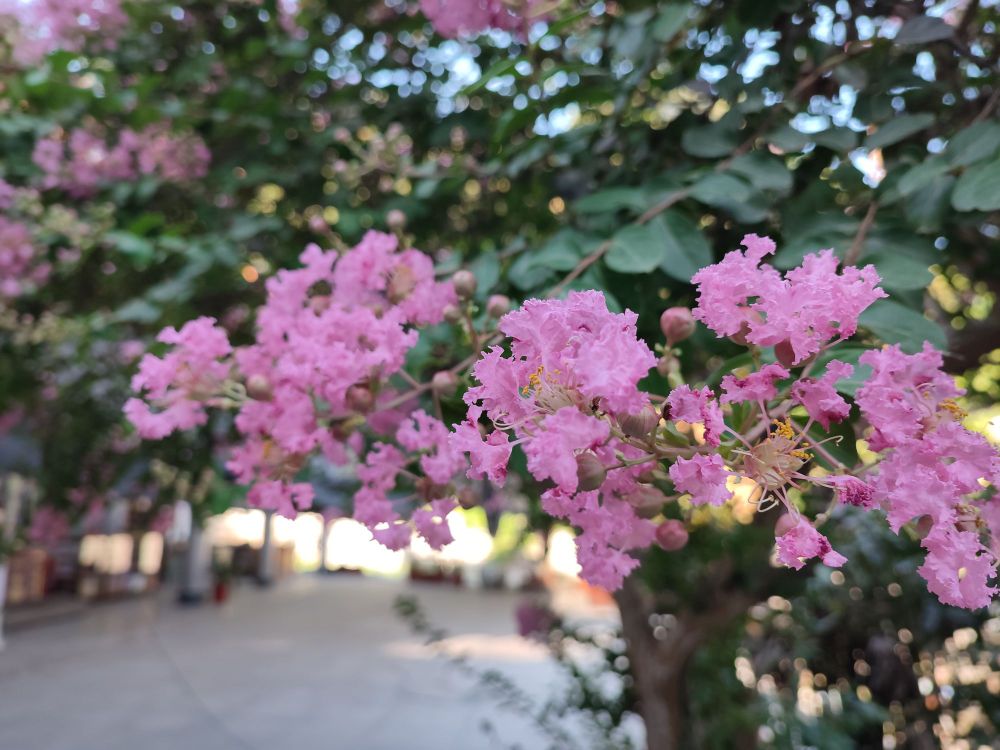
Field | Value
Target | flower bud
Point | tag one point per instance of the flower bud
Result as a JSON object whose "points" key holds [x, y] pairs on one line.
{"points": [[665, 365], [259, 388], [784, 353], [465, 283], [401, 282], [641, 424], [677, 324], [452, 313], [671, 535], [740, 337], [647, 501], [318, 224], [497, 306], [590, 472], [444, 383], [395, 220], [467, 498], [360, 399], [785, 524]]}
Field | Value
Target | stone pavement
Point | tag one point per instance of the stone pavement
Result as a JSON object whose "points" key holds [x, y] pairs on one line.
{"points": [[315, 662]]}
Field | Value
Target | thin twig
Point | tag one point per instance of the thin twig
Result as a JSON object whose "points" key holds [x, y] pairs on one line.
{"points": [[854, 252]]}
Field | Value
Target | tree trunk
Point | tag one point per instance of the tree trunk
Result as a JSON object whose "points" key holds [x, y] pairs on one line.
{"points": [[659, 655]]}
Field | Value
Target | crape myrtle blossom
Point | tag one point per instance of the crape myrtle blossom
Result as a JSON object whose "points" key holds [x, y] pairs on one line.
{"points": [[804, 310], [329, 337], [23, 266], [82, 160], [31, 29], [564, 382], [455, 18], [932, 468]]}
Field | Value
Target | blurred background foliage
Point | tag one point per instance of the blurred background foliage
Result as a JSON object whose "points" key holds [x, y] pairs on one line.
{"points": [[620, 146]]}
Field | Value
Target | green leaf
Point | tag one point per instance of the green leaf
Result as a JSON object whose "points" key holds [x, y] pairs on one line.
{"points": [[637, 248], [900, 271], [562, 252], [720, 189], [923, 29], [138, 248], [616, 198], [499, 68], [788, 139], [897, 129], [894, 323], [764, 172], [709, 141], [671, 19], [978, 189], [486, 269], [687, 251], [974, 143], [921, 175], [837, 139]]}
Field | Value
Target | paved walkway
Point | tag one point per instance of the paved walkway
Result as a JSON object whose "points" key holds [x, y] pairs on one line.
{"points": [[316, 662]]}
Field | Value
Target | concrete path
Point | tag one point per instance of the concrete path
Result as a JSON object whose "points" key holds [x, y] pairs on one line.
{"points": [[316, 662]]}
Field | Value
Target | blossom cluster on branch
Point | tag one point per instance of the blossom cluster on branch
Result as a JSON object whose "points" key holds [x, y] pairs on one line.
{"points": [[31, 30], [454, 18], [82, 160], [564, 381]]}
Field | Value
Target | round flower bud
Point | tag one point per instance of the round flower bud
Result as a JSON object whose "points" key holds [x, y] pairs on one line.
{"points": [[259, 388], [465, 283], [467, 498], [785, 524], [665, 366], [677, 324], [647, 501], [671, 535], [497, 306], [395, 219], [444, 383], [641, 424], [740, 337], [360, 399], [784, 353], [318, 224], [452, 313], [590, 472]]}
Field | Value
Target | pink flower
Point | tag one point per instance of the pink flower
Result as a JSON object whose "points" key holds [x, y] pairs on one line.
{"points": [[803, 542], [22, 265], [852, 491], [454, 18], [703, 477], [689, 405], [48, 527], [424, 433], [903, 393], [432, 523], [36, 28], [820, 398], [488, 457], [285, 499], [552, 449], [807, 308], [757, 386], [178, 383], [958, 568]]}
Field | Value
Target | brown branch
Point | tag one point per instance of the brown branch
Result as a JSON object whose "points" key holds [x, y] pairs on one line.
{"points": [[854, 252]]}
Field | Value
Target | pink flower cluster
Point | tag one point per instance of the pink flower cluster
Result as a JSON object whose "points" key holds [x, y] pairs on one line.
{"points": [[35, 28], [802, 311], [83, 161], [571, 375], [932, 469], [180, 383], [329, 338], [48, 527], [455, 18], [22, 263]]}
